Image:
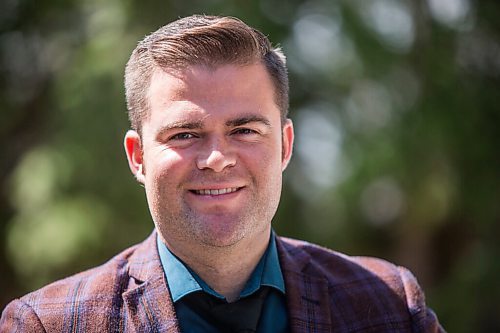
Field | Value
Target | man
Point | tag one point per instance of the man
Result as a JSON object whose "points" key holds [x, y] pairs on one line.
{"points": [[208, 102]]}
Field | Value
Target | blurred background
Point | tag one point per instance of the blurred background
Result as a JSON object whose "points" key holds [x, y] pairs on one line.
{"points": [[395, 105]]}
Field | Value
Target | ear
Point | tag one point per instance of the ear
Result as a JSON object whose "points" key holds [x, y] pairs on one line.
{"points": [[287, 145], [133, 149]]}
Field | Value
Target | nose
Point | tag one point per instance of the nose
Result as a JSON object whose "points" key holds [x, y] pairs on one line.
{"points": [[217, 156]]}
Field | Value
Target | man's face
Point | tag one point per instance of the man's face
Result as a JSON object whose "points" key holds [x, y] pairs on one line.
{"points": [[212, 154]]}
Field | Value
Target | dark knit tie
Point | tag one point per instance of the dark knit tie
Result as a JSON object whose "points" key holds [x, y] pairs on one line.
{"points": [[239, 316]]}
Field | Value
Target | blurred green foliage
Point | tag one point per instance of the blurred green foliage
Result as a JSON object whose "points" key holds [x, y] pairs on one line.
{"points": [[395, 105]]}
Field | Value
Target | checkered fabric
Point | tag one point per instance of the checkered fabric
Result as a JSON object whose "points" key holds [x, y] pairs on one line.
{"points": [[326, 292]]}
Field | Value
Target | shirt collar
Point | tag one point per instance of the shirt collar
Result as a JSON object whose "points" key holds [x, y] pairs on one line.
{"points": [[183, 281]]}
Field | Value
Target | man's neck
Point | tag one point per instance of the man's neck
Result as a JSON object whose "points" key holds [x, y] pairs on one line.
{"points": [[224, 269]]}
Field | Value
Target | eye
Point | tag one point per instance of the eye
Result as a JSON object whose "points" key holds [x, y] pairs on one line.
{"points": [[182, 136], [244, 131]]}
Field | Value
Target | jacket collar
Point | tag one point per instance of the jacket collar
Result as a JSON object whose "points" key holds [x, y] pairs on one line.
{"points": [[183, 281], [307, 293], [149, 308]]}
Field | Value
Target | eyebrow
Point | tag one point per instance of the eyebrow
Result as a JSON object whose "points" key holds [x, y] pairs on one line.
{"points": [[198, 124], [247, 119], [181, 125]]}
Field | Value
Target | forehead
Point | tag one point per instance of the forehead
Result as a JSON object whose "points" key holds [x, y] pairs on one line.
{"points": [[203, 80], [211, 89]]}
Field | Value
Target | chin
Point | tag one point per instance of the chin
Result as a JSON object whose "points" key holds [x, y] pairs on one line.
{"points": [[221, 238]]}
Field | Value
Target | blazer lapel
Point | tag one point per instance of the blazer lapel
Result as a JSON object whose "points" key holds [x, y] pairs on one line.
{"points": [[307, 294], [149, 308], [147, 303]]}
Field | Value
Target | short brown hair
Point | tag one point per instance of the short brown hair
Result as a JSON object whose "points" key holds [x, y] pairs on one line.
{"points": [[200, 40]]}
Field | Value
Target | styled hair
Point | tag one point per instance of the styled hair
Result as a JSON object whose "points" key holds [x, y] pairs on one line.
{"points": [[200, 40]]}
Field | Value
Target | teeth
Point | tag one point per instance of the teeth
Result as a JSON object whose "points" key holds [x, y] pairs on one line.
{"points": [[217, 192]]}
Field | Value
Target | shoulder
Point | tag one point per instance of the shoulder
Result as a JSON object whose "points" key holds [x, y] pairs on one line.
{"points": [[362, 276], [336, 264], [99, 280], [364, 281], [94, 292], [340, 269]]}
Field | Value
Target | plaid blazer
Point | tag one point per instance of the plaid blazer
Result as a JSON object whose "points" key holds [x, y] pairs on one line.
{"points": [[326, 292]]}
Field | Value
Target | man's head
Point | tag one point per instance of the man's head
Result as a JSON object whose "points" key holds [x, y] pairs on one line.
{"points": [[200, 40], [210, 139]]}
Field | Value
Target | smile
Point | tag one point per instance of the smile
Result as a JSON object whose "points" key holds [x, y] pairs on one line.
{"points": [[216, 192]]}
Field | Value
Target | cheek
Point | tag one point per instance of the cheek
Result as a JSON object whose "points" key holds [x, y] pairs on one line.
{"points": [[164, 177], [165, 167], [265, 163]]}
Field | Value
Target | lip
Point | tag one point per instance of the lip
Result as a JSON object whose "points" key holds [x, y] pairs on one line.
{"points": [[215, 191]]}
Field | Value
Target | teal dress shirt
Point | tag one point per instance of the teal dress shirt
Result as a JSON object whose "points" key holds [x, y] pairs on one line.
{"points": [[183, 281]]}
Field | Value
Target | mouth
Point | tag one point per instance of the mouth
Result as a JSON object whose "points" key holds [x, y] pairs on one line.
{"points": [[215, 192]]}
